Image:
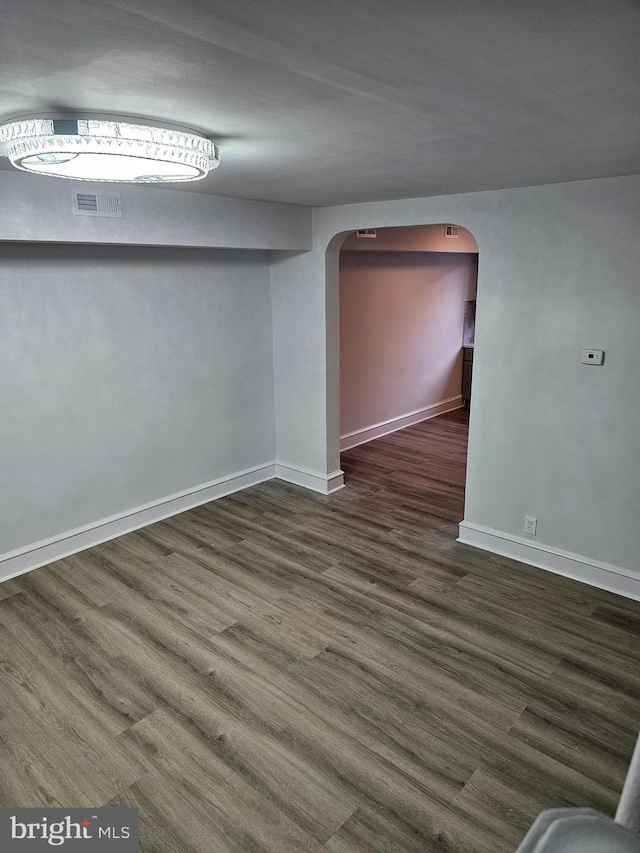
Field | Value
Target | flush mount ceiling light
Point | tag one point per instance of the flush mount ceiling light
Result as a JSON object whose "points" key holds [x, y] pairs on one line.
{"points": [[99, 150]]}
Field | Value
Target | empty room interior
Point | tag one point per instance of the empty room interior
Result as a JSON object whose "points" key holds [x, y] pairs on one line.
{"points": [[320, 483]]}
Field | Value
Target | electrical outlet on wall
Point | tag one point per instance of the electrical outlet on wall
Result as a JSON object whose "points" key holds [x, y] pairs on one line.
{"points": [[530, 524]]}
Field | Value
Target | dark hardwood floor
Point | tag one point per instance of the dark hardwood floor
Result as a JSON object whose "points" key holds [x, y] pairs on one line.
{"points": [[279, 672]]}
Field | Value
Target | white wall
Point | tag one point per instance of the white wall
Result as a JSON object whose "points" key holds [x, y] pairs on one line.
{"points": [[81, 380], [401, 318], [550, 437], [128, 374], [35, 208]]}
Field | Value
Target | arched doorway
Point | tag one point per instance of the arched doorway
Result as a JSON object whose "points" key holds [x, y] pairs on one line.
{"points": [[407, 310], [401, 242]]}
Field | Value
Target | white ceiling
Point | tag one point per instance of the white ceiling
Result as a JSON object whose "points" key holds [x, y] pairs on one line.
{"points": [[337, 101]]}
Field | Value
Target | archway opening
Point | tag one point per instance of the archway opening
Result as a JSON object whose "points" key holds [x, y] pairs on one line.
{"points": [[406, 304]]}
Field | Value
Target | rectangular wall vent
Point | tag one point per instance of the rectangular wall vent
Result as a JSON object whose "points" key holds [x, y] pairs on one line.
{"points": [[366, 232], [452, 231], [97, 204]]}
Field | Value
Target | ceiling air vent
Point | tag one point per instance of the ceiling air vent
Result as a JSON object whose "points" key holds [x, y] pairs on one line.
{"points": [[452, 231], [370, 233], [97, 204]]}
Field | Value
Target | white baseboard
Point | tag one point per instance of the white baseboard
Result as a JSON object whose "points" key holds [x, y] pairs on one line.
{"points": [[361, 436], [314, 480], [593, 572], [22, 560], [47, 551]]}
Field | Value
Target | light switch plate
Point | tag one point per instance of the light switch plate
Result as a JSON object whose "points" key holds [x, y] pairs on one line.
{"points": [[592, 356]]}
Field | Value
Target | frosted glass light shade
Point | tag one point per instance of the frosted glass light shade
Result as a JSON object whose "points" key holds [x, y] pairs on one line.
{"points": [[94, 150]]}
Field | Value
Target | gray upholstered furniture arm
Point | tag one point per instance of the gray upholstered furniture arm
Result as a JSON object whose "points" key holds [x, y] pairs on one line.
{"points": [[587, 831]]}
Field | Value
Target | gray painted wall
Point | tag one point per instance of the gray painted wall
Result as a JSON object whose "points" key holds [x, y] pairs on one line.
{"points": [[550, 437], [128, 374], [36, 208]]}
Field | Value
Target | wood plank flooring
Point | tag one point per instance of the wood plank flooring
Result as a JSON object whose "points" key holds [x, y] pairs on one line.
{"points": [[278, 672]]}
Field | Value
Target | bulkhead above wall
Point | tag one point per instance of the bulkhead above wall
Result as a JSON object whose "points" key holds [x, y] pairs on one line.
{"points": [[37, 209]]}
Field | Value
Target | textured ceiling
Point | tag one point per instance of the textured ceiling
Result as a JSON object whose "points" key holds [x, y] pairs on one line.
{"points": [[331, 102]]}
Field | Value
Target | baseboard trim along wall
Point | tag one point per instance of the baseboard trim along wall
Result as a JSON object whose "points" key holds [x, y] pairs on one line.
{"points": [[23, 560], [602, 575], [361, 436], [41, 553], [326, 484]]}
